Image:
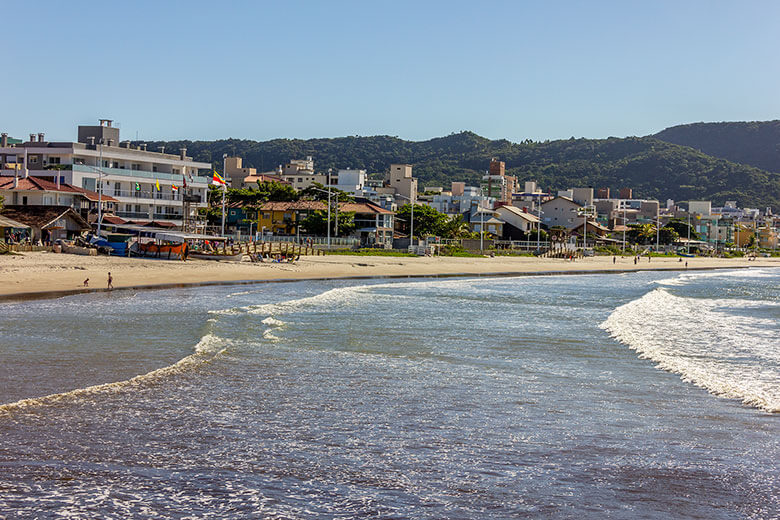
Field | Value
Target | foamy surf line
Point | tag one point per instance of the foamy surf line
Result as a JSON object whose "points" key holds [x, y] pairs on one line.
{"points": [[205, 352], [43, 295], [729, 355]]}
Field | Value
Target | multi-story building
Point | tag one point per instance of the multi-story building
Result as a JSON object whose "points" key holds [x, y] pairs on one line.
{"points": [[400, 179], [239, 176], [300, 174], [561, 211], [497, 184], [352, 182], [531, 196], [582, 196], [461, 199], [147, 185]]}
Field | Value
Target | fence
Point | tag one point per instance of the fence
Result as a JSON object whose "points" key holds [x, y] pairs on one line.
{"points": [[22, 248]]}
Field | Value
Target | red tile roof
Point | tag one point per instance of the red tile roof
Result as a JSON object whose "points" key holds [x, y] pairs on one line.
{"points": [[43, 216], [38, 184], [261, 177], [364, 207], [113, 219]]}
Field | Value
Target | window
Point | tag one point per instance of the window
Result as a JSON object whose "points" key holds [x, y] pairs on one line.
{"points": [[54, 160], [154, 168], [138, 208], [33, 160], [117, 188], [24, 201], [135, 167]]}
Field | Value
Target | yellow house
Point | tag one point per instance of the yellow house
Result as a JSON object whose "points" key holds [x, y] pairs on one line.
{"points": [[742, 233], [281, 218], [767, 237]]}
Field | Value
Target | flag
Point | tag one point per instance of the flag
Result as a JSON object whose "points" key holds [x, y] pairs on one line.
{"points": [[157, 183], [174, 187], [184, 181], [217, 180]]}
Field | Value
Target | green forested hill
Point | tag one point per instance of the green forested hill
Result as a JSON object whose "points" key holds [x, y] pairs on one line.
{"points": [[756, 143], [654, 168]]}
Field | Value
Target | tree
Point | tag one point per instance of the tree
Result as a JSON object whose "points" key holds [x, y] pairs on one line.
{"points": [[277, 192], [318, 191], [316, 223], [455, 227], [682, 228], [427, 220]]}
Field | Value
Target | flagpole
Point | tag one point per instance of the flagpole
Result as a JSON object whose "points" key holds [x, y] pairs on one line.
{"points": [[224, 189]]}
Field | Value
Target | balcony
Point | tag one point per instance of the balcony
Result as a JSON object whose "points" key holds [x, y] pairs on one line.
{"points": [[144, 194], [140, 174], [132, 214]]}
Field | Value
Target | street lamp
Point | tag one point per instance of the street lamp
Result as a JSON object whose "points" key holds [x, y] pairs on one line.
{"points": [[585, 211], [100, 186], [411, 232], [328, 192]]}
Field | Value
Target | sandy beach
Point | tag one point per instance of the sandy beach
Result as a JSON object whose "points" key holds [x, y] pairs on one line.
{"points": [[44, 273]]}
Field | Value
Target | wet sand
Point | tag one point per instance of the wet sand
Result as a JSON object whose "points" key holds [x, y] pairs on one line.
{"points": [[42, 274]]}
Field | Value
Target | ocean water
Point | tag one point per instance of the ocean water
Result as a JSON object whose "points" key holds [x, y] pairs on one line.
{"points": [[641, 395]]}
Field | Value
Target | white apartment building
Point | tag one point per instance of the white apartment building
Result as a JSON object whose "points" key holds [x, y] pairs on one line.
{"points": [[352, 182], [461, 199], [130, 175]]}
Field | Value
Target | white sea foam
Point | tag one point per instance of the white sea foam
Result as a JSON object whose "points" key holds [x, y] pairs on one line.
{"points": [[730, 354], [272, 322], [267, 334], [205, 351]]}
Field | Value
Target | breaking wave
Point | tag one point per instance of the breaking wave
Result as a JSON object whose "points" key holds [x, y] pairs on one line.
{"points": [[712, 343], [205, 351]]}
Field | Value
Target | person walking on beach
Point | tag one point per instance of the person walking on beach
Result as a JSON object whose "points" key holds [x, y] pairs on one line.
{"points": [[614, 259], [110, 281], [86, 282]]}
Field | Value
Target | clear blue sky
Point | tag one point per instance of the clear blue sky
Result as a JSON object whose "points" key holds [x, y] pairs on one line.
{"points": [[261, 70]]}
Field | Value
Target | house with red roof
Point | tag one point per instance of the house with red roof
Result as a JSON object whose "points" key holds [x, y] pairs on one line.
{"points": [[38, 191]]}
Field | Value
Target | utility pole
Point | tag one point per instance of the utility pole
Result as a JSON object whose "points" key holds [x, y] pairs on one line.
{"points": [[100, 184]]}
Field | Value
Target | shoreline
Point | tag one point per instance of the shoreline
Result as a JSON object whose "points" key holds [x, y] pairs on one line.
{"points": [[43, 275]]}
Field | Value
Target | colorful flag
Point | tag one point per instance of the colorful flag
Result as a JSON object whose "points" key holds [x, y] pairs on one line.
{"points": [[174, 187], [157, 183], [217, 180]]}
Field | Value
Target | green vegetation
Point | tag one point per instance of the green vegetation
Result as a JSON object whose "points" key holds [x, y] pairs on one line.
{"points": [[654, 168], [430, 222], [316, 223], [754, 143], [368, 252]]}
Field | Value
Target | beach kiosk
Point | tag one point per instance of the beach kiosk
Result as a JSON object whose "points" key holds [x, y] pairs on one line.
{"points": [[10, 228]]}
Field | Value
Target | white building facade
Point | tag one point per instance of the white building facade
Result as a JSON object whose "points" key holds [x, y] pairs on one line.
{"points": [[141, 181]]}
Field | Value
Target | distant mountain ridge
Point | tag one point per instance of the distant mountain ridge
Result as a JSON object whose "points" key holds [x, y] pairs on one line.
{"points": [[756, 143], [655, 168]]}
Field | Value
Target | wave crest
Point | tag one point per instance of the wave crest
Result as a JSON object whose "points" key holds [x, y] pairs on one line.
{"points": [[730, 355]]}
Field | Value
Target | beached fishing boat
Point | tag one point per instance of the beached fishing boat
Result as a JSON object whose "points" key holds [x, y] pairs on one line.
{"points": [[217, 256], [161, 250]]}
